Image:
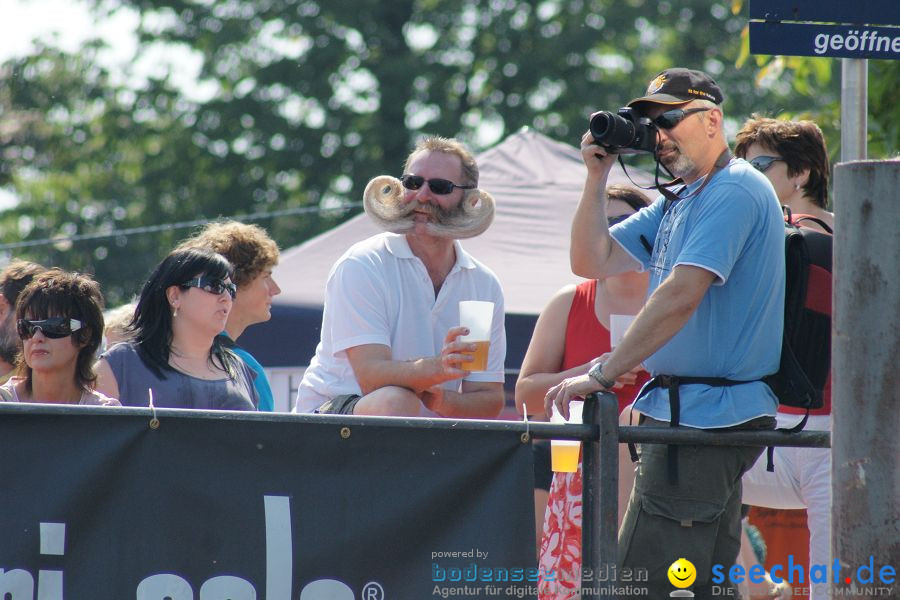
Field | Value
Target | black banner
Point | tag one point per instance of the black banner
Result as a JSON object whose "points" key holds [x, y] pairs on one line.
{"points": [[96, 504], [872, 12]]}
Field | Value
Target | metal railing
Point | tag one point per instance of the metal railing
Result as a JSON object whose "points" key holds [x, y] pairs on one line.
{"points": [[600, 500], [600, 433]]}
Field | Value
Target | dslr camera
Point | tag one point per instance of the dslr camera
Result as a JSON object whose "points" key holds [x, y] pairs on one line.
{"points": [[625, 132]]}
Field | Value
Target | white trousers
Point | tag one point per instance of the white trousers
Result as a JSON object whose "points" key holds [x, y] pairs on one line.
{"points": [[802, 479]]}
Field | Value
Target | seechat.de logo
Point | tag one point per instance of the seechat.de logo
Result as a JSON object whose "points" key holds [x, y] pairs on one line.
{"points": [[865, 574]]}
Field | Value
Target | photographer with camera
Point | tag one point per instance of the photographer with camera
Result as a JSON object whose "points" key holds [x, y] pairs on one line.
{"points": [[709, 332]]}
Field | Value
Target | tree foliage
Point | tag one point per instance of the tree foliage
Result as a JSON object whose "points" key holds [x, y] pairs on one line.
{"points": [[299, 103]]}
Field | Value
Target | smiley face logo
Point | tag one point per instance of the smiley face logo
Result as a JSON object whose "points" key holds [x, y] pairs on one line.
{"points": [[682, 573]]}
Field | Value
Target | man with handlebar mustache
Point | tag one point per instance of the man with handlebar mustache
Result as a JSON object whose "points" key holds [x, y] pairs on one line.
{"points": [[710, 330], [390, 329]]}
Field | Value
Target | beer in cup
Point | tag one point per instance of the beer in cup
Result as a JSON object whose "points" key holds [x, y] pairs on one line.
{"points": [[477, 316], [564, 453]]}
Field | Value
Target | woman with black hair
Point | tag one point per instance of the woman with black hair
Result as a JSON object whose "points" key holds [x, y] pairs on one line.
{"points": [[174, 352], [60, 321]]}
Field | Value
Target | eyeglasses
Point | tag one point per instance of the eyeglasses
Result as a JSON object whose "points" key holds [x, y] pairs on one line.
{"points": [[762, 163], [671, 118], [610, 221], [213, 286], [441, 187], [53, 328]]}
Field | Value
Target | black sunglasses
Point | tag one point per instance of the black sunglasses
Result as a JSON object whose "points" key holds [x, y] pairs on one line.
{"points": [[212, 285], [610, 221], [53, 328], [441, 187], [671, 118], [762, 163]]}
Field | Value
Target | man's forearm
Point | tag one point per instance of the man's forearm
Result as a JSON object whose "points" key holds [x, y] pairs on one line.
{"points": [[668, 309], [417, 375], [591, 242]]}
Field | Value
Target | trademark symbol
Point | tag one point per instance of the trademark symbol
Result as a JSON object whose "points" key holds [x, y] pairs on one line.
{"points": [[373, 591]]}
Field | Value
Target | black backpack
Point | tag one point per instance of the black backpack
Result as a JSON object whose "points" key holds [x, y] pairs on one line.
{"points": [[806, 344]]}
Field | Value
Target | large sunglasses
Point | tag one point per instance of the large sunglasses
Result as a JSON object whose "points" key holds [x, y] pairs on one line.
{"points": [[53, 328], [762, 163], [441, 187], [671, 118], [212, 285]]}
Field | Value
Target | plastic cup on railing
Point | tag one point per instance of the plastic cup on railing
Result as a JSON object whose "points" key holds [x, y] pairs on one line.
{"points": [[564, 453], [477, 315], [618, 325]]}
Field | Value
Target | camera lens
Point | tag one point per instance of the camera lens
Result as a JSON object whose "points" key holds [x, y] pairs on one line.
{"points": [[609, 129]]}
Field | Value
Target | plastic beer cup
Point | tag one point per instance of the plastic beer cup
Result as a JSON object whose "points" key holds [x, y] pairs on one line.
{"points": [[618, 325], [477, 316], [564, 453]]}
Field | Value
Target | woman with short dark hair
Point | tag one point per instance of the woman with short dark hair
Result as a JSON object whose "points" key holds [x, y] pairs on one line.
{"points": [[175, 353], [793, 155], [60, 321]]}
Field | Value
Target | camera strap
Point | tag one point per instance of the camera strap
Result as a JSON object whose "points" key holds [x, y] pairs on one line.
{"points": [[671, 196], [662, 188]]}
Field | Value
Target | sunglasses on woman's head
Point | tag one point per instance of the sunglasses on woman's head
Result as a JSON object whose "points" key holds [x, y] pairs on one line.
{"points": [[441, 187], [671, 118], [212, 285], [762, 163], [53, 328]]}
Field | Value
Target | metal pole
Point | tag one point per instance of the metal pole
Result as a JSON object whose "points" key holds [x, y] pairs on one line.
{"points": [[865, 354], [590, 497], [854, 105], [608, 522], [600, 496]]}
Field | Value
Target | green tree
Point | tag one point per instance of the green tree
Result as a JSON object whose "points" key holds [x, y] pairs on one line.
{"points": [[305, 101]]}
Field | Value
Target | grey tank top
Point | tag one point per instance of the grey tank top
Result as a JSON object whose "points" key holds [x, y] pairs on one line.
{"points": [[178, 390]]}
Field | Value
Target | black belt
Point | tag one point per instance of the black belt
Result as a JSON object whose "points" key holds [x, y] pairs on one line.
{"points": [[672, 383]]}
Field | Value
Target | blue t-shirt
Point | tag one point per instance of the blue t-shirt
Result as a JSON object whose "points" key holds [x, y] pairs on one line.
{"points": [[261, 382], [734, 228]]}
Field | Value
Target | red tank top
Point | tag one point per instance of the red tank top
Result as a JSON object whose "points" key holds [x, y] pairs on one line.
{"points": [[587, 338]]}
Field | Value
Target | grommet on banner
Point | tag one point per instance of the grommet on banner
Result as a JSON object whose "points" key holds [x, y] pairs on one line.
{"points": [[154, 422], [526, 437], [345, 432]]}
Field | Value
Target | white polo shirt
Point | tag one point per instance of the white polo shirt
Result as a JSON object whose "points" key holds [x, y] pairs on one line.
{"points": [[379, 292]]}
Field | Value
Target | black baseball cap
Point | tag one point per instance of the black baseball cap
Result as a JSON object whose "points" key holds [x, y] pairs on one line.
{"points": [[678, 85]]}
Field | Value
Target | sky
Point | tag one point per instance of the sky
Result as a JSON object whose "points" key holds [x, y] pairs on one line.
{"points": [[68, 22]]}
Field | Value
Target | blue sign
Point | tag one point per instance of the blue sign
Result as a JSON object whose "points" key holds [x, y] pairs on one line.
{"points": [[858, 12], [811, 39]]}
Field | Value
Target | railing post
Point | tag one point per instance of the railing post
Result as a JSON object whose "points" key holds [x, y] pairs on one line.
{"points": [[600, 495]]}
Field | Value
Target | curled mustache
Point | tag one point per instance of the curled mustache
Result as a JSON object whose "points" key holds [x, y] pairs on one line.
{"points": [[383, 202]]}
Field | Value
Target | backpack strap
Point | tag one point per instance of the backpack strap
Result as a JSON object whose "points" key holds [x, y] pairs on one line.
{"points": [[816, 220], [672, 383]]}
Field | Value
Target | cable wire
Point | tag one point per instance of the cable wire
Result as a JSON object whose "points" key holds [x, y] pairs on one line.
{"points": [[300, 210]]}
